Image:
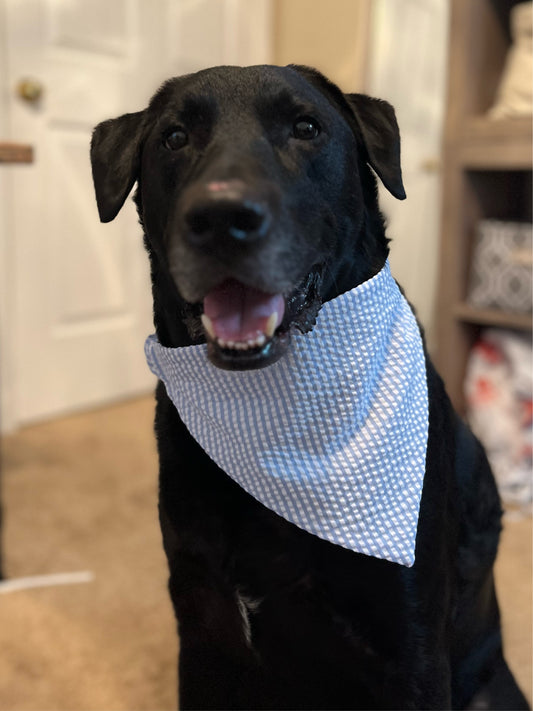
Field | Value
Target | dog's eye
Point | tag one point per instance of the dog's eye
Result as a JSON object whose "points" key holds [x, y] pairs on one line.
{"points": [[305, 129], [175, 139]]}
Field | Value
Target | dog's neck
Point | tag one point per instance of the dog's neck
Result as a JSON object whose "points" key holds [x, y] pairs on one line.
{"points": [[170, 320]]}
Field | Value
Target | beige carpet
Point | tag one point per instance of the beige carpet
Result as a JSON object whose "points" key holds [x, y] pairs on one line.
{"points": [[80, 495]]}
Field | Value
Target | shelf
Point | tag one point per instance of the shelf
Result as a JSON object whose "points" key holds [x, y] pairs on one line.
{"points": [[503, 144], [492, 317], [481, 128], [15, 153], [487, 174]]}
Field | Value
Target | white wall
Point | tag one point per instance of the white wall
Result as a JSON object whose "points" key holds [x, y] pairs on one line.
{"points": [[408, 60]]}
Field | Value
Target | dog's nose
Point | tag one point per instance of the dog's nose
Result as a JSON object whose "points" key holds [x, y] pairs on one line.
{"points": [[242, 219]]}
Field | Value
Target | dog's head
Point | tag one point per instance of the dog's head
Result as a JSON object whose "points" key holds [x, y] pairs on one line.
{"points": [[256, 198]]}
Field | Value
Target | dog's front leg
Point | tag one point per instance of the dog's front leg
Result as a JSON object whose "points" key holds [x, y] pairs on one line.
{"points": [[217, 666]]}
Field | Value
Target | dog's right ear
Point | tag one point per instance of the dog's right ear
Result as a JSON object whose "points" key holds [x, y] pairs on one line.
{"points": [[115, 160]]}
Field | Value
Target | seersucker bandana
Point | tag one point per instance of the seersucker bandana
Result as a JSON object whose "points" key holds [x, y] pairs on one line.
{"points": [[331, 437]]}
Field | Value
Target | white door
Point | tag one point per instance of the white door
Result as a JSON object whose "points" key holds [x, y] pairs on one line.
{"points": [[408, 68], [78, 299]]}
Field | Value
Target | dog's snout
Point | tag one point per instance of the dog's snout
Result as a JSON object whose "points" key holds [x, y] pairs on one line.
{"points": [[222, 209], [242, 220]]}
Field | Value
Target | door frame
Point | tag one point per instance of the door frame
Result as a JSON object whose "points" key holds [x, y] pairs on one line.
{"points": [[7, 351]]}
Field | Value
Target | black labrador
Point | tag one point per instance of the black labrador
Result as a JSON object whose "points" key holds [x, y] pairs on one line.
{"points": [[262, 178]]}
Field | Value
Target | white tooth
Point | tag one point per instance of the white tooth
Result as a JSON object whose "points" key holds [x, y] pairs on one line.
{"points": [[230, 344], [260, 340], [243, 346], [271, 325], [222, 343], [208, 326]]}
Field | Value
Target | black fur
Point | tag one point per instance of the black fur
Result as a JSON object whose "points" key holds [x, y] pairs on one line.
{"points": [[333, 629]]}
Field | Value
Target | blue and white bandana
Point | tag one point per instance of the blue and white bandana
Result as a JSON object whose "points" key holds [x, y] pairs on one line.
{"points": [[333, 436]]}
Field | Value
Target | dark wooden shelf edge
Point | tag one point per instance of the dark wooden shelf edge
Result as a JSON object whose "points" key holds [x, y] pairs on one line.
{"points": [[499, 158], [484, 144], [15, 153], [482, 128], [493, 317]]}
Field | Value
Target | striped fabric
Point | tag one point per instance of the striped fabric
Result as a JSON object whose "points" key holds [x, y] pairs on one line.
{"points": [[333, 436]]}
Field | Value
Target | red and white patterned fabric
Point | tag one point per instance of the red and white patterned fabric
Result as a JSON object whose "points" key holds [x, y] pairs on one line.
{"points": [[498, 390]]}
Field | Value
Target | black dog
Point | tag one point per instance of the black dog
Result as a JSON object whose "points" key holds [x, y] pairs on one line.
{"points": [[258, 180]]}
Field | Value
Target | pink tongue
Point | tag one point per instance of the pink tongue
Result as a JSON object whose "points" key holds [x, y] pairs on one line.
{"points": [[239, 313]]}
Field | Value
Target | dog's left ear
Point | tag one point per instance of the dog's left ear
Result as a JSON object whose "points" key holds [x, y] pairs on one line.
{"points": [[381, 136]]}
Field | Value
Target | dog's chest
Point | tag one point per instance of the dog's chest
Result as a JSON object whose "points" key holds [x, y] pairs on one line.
{"points": [[289, 583]]}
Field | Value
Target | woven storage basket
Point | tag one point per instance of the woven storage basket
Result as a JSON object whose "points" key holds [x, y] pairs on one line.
{"points": [[501, 270]]}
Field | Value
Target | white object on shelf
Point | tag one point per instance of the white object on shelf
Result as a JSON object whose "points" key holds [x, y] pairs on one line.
{"points": [[515, 93]]}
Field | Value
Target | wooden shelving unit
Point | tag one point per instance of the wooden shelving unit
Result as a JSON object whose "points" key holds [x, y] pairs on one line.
{"points": [[486, 144], [491, 317], [487, 174]]}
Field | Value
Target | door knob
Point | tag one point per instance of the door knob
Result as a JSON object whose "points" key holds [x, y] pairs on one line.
{"points": [[30, 90]]}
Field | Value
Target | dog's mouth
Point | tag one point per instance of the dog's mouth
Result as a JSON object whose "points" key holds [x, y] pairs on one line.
{"points": [[246, 328]]}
